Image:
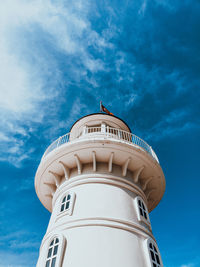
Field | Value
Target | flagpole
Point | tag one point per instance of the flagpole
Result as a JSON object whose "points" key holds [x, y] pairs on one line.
{"points": [[100, 106]]}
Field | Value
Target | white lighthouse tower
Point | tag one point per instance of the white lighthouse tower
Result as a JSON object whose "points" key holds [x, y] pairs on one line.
{"points": [[100, 182]]}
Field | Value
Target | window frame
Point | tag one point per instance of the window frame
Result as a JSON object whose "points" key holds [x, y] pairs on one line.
{"points": [[60, 251], [150, 260], [140, 217], [68, 211]]}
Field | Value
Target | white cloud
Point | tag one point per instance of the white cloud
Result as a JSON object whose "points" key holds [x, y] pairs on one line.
{"points": [[29, 77], [143, 8], [11, 259], [19, 249], [23, 237], [188, 265], [16, 244], [26, 184], [173, 124], [19, 91]]}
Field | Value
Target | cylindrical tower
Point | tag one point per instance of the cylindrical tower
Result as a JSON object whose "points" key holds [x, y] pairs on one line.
{"points": [[99, 181]]}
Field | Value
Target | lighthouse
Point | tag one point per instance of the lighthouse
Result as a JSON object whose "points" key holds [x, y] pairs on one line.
{"points": [[99, 181]]}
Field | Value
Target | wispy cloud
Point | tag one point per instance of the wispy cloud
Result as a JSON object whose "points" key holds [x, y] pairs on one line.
{"points": [[31, 34], [12, 259], [20, 240], [173, 124], [188, 265], [142, 8]]}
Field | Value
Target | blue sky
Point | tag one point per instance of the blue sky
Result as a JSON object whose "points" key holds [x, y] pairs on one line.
{"points": [[58, 59]]}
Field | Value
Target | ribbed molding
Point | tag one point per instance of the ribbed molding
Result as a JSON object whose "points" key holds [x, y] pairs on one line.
{"points": [[101, 179], [106, 222]]}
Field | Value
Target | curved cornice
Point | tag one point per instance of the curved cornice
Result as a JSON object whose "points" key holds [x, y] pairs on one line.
{"points": [[70, 160]]}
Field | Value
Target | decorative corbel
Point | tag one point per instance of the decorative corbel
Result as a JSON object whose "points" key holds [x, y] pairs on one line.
{"points": [[56, 177], [65, 169], [144, 185], [110, 162], [137, 173], [125, 167], [94, 161], [78, 164]]}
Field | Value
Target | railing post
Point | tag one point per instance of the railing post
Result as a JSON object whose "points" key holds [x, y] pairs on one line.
{"points": [[103, 127], [129, 137], [107, 130], [119, 134], [84, 129], [58, 141]]}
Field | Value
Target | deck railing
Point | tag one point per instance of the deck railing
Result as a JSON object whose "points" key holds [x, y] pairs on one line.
{"points": [[105, 132]]}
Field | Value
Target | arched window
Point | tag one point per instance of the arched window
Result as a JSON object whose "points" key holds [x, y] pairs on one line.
{"points": [[67, 204], [154, 254], [55, 251], [52, 253], [142, 211]]}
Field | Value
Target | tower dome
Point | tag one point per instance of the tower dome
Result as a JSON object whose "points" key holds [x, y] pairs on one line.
{"points": [[100, 182]]}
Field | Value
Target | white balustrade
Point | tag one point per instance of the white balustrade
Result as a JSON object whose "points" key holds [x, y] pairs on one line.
{"points": [[106, 132]]}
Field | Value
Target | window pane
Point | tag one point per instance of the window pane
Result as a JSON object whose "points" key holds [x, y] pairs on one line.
{"points": [[63, 199], [143, 206], [49, 253], [47, 263], [55, 250], [68, 197], [141, 212], [154, 265], [53, 263], [139, 202], [152, 255], [57, 240], [155, 249], [157, 259], [62, 207], [150, 245], [67, 205], [145, 215], [52, 243]]}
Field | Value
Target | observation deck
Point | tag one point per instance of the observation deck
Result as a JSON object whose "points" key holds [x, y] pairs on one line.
{"points": [[104, 132], [100, 145]]}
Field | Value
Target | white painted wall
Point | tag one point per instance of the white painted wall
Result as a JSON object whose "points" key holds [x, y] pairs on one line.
{"points": [[103, 229]]}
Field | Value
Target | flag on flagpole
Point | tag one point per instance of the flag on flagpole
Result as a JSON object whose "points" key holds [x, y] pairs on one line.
{"points": [[104, 109]]}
